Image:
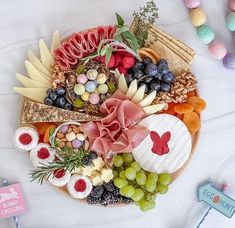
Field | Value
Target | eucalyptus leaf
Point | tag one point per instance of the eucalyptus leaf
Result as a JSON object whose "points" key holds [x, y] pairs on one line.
{"points": [[121, 30], [108, 55], [120, 20]]}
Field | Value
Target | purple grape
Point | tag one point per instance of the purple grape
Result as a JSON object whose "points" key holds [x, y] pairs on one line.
{"points": [[151, 69], [48, 101], [169, 77], [162, 61], [163, 69], [155, 86], [138, 74], [165, 87]]}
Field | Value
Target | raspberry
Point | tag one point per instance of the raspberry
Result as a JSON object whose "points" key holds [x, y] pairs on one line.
{"points": [[118, 59], [122, 70], [111, 63], [128, 62]]}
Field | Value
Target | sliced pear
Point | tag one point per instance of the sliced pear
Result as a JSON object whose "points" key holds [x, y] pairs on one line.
{"points": [[55, 42], [46, 57], [37, 64], [132, 89], [28, 82], [149, 110], [35, 74], [122, 85], [148, 99], [139, 94], [37, 94]]}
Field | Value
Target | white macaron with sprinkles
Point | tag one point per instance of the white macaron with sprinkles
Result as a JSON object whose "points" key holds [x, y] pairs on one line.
{"points": [[59, 177], [79, 187]]}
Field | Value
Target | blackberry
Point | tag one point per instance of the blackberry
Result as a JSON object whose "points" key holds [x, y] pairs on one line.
{"points": [[126, 200], [116, 192], [104, 203], [108, 197], [109, 186], [86, 161], [93, 155], [91, 200], [97, 192]]}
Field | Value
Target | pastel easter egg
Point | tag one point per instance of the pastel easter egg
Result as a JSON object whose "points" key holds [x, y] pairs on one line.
{"points": [[232, 5], [231, 22], [92, 74], [190, 4], [229, 61], [82, 79], [205, 34], [85, 96], [217, 49], [233, 36], [90, 86], [79, 89], [94, 99], [101, 78], [103, 89], [197, 17]]}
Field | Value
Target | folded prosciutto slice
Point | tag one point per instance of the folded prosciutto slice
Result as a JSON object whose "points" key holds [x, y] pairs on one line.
{"points": [[81, 44]]}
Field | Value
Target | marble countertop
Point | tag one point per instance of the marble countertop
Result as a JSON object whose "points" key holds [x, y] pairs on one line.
{"points": [[23, 22]]}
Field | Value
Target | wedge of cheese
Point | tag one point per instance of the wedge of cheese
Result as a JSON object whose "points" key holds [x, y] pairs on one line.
{"points": [[46, 57], [30, 83], [34, 73], [36, 94], [37, 64], [55, 42]]}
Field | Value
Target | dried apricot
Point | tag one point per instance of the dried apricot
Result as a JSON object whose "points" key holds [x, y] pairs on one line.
{"points": [[192, 121], [198, 103], [48, 133], [41, 127], [183, 108], [170, 109], [180, 116], [192, 93]]}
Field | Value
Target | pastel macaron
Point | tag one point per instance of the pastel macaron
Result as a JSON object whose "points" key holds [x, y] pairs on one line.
{"points": [[190, 4], [217, 49]]}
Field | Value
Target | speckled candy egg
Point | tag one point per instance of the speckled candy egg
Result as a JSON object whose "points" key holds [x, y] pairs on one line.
{"points": [[217, 49], [192, 3], [94, 99], [92, 74], [231, 22], [101, 78], [85, 96], [197, 17], [229, 61], [79, 89], [82, 79], [205, 34], [103, 89], [232, 5], [90, 86], [233, 36]]}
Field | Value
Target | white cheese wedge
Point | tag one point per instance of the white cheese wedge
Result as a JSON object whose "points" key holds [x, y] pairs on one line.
{"points": [[180, 144], [132, 89], [122, 86], [139, 94], [30, 83], [55, 42], [148, 99], [37, 64], [36, 94], [46, 57], [151, 109], [34, 73]]}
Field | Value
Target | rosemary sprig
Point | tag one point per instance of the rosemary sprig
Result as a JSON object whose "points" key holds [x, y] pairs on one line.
{"points": [[144, 18], [68, 160]]}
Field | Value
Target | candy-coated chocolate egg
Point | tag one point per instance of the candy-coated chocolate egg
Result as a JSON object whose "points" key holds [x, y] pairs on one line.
{"points": [[103, 89], [101, 78], [229, 61], [232, 5], [190, 4], [85, 96], [197, 16], [82, 79], [79, 89], [94, 99], [217, 49], [92, 74], [205, 34], [90, 86], [96, 91], [233, 36], [231, 22]]}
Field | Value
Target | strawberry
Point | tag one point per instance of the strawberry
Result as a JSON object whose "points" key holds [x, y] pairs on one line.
{"points": [[128, 62]]}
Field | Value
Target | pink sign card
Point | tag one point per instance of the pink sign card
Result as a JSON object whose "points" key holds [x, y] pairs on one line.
{"points": [[12, 201]]}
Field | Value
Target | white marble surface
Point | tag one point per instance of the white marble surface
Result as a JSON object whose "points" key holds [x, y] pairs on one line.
{"points": [[23, 22]]}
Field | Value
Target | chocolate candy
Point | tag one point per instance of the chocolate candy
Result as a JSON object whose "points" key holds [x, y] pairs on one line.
{"points": [[90, 86], [85, 96], [101, 78], [94, 99], [79, 89], [103, 89], [190, 4], [217, 49], [229, 61], [205, 34], [82, 79], [197, 16], [231, 22]]}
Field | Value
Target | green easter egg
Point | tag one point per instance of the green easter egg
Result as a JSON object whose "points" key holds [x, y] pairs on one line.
{"points": [[205, 34], [231, 22]]}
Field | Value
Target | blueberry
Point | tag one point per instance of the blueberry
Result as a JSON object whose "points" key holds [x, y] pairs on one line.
{"points": [[165, 87], [151, 69], [93, 155], [138, 66], [169, 77], [68, 106], [60, 91], [148, 79], [155, 86], [162, 61], [129, 78], [86, 161], [138, 74], [49, 91], [146, 86], [48, 101], [158, 76], [147, 60], [163, 68], [60, 102], [53, 96]]}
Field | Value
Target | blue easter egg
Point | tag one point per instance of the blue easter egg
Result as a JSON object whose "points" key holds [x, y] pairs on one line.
{"points": [[90, 86]]}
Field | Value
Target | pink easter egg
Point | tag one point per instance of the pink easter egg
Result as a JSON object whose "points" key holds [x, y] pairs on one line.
{"points": [[190, 4], [217, 49], [232, 5], [94, 98]]}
